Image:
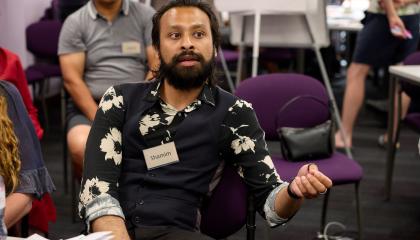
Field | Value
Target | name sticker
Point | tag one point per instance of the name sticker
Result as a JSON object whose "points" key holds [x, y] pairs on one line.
{"points": [[161, 155], [131, 47]]}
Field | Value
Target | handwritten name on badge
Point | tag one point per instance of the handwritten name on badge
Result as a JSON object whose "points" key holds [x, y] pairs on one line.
{"points": [[161, 155], [131, 47]]}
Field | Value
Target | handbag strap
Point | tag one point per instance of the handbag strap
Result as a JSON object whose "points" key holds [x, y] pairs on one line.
{"points": [[293, 100]]}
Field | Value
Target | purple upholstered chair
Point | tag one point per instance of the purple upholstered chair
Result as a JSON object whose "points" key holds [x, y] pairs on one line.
{"points": [[42, 42], [413, 119], [226, 211], [267, 94]]}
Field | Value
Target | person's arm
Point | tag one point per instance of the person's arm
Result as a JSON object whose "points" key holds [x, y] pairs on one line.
{"points": [[393, 19], [250, 154], [102, 167], [111, 223], [17, 206], [72, 68], [153, 61]]}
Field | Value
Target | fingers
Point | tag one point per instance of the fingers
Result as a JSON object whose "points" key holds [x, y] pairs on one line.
{"points": [[312, 184], [305, 188], [324, 180]]}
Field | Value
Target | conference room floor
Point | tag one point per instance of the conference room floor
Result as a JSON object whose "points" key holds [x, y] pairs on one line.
{"points": [[396, 219]]}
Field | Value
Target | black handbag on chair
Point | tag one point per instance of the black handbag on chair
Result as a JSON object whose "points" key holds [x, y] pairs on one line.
{"points": [[298, 144]]}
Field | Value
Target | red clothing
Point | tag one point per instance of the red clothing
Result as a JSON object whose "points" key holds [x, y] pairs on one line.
{"points": [[43, 210], [11, 70]]}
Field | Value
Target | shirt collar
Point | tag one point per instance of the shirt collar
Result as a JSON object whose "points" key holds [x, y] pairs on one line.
{"points": [[94, 13], [206, 95]]}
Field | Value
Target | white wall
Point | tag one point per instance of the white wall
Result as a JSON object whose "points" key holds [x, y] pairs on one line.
{"points": [[15, 16]]}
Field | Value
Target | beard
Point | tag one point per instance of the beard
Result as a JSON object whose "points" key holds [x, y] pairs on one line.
{"points": [[186, 77]]}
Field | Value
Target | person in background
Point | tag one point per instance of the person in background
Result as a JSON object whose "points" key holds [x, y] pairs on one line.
{"points": [[194, 128], [390, 33], [21, 164], [43, 211], [105, 42], [11, 70]]}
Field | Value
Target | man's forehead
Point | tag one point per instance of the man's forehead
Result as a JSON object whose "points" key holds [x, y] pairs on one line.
{"points": [[191, 16]]}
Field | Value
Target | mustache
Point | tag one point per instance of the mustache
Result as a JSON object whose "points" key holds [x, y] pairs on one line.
{"points": [[188, 56]]}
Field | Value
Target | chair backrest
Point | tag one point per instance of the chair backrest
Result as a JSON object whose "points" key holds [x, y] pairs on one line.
{"points": [[225, 212], [269, 93], [42, 38], [410, 89], [284, 23], [412, 59]]}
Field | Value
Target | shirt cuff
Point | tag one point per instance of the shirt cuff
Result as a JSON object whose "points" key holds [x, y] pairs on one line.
{"points": [[104, 205], [271, 216]]}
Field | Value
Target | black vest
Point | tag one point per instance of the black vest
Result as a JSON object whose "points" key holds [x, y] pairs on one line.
{"points": [[170, 195]]}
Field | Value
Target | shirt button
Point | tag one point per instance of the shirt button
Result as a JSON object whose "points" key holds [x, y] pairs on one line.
{"points": [[137, 219], [141, 202]]}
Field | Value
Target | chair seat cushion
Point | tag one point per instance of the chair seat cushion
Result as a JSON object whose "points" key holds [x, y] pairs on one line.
{"points": [[230, 56], [48, 70], [413, 119], [339, 168], [33, 75]]}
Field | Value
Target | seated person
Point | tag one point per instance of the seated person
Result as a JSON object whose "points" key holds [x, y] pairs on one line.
{"points": [[22, 166], [155, 148], [102, 44], [11, 70], [43, 210]]}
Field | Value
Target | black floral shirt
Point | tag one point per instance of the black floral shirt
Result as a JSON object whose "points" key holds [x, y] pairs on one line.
{"points": [[242, 141]]}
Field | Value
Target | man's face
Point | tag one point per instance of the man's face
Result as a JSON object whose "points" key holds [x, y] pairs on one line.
{"points": [[186, 47]]}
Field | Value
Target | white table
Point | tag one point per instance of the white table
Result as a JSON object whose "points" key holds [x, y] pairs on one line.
{"points": [[410, 74]]}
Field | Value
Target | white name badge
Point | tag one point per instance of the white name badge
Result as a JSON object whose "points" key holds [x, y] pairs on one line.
{"points": [[161, 155], [131, 47]]}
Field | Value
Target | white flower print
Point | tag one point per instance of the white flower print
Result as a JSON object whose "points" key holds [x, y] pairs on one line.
{"points": [[110, 99], [243, 143], [156, 90], [240, 103], [269, 162], [192, 106], [147, 122], [241, 172], [92, 189], [111, 146], [169, 111]]}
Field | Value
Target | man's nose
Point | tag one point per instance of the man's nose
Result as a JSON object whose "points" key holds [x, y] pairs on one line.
{"points": [[187, 43]]}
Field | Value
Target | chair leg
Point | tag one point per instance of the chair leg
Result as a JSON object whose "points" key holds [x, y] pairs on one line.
{"points": [[358, 210], [42, 92], [65, 152], [324, 211], [250, 219], [25, 226], [73, 198]]}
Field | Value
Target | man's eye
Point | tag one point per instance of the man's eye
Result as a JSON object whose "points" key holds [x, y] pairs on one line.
{"points": [[199, 34], [174, 35]]}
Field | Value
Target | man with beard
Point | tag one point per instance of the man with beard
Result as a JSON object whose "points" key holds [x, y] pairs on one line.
{"points": [[155, 148]]}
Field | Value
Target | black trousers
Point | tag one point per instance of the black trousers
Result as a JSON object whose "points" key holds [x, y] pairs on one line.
{"points": [[166, 233]]}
